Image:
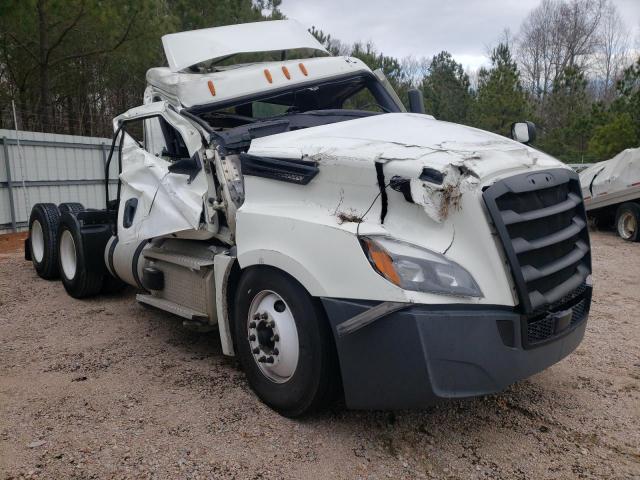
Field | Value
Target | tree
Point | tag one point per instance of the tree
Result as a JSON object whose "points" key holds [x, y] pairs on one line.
{"points": [[621, 128], [628, 95], [556, 35], [71, 65], [334, 46], [42, 38], [610, 139], [611, 52], [446, 89], [566, 122], [500, 98]]}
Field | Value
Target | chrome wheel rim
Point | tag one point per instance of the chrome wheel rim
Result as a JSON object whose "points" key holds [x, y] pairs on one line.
{"points": [[273, 336], [627, 225], [37, 241], [68, 255]]}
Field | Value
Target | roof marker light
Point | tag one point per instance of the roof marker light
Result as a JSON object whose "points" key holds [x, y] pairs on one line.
{"points": [[267, 74], [285, 70], [212, 88], [303, 69]]}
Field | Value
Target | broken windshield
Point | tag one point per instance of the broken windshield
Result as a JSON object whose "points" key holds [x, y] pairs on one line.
{"points": [[354, 93]]}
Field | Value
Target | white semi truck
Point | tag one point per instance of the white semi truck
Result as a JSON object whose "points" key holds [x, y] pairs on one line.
{"points": [[337, 242]]}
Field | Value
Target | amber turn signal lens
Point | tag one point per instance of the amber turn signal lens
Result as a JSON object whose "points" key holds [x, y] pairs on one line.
{"points": [[285, 70], [212, 88], [303, 69], [268, 76], [382, 261]]}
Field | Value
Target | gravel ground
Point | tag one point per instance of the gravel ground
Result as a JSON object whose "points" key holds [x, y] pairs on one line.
{"points": [[105, 388]]}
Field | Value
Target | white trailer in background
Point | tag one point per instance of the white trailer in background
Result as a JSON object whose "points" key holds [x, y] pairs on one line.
{"points": [[336, 241], [611, 191]]}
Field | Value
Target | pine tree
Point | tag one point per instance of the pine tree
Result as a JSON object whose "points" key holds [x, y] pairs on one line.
{"points": [[446, 89], [500, 97]]}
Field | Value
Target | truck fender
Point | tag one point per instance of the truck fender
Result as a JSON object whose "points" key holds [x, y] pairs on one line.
{"points": [[285, 263]]}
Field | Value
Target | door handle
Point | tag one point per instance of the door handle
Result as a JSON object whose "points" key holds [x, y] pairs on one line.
{"points": [[129, 212]]}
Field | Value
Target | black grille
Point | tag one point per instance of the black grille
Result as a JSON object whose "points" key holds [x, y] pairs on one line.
{"points": [[542, 225], [542, 328]]}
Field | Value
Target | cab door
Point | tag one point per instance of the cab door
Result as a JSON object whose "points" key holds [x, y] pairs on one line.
{"points": [[162, 184]]}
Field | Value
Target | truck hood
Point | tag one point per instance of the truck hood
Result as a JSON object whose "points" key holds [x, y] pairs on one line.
{"points": [[417, 141]]}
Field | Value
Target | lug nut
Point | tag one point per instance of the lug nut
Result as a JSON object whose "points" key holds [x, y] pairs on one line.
{"points": [[252, 325], [265, 316], [276, 351], [256, 316], [256, 351], [252, 338], [262, 359], [276, 338], [270, 360]]}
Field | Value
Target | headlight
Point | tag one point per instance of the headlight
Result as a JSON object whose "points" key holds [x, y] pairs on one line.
{"points": [[418, 269]]}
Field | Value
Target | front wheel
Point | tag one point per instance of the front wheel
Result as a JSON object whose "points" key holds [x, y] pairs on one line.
{"points": [[628, 221], [284, 342]]}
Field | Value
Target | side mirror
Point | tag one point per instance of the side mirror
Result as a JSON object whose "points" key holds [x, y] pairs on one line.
{"points": [[416, 103], [523, 132]]}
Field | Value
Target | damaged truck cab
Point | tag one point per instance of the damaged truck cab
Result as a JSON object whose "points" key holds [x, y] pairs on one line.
{"points": [[335, 240]]}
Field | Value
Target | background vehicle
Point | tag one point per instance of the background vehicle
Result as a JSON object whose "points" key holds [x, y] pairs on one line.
{"points": [[611, 191], [334, 239]]}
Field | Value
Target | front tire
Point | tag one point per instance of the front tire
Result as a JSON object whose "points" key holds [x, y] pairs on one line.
{"points": [[628, 221], [284, 342]]}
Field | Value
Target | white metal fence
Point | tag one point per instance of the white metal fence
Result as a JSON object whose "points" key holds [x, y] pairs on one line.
{"points": [[47, 167]]}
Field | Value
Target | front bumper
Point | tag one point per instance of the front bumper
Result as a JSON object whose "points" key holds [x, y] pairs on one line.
{"points": [[413, 357]]}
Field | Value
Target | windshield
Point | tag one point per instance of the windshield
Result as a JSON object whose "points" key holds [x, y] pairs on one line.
{"points": [[360, 93]]}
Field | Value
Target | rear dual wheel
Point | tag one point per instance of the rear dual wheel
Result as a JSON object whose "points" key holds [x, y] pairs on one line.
{"points": [[79, 279], [43, 239]]}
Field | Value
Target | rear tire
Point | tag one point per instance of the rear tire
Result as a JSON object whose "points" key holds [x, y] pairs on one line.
{"points": [[43, 239], [72, 207], [287, 353], [628, 221], [78, 279]]}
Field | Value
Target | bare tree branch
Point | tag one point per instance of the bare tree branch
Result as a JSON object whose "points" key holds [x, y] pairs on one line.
{"points": [[66, 31], [23, 46], [122, 39]]}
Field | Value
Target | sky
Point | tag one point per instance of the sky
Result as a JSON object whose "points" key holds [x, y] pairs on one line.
{"points": [[422, 28]]}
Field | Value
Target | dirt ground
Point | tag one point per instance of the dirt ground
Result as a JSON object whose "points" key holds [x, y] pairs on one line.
{"points": [[105, 388]]}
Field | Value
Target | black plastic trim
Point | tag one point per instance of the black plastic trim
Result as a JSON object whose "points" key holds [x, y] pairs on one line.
{"points": [[129, 214], [432, 175], [418, 355], [565, 304], [112, 248], [134, 263], [285, 170]]}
